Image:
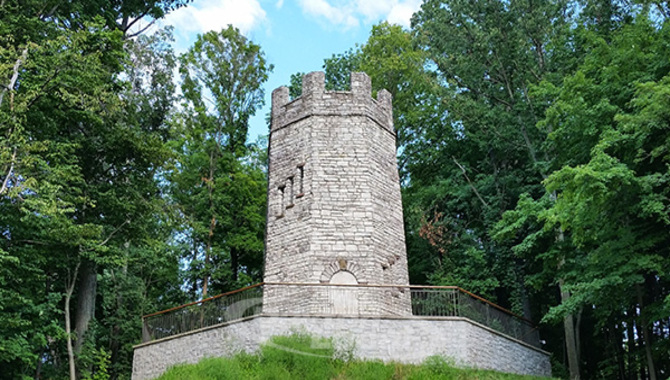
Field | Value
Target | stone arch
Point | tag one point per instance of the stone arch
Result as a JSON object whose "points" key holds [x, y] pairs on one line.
{"points": [[340, 264], [343, 277]]}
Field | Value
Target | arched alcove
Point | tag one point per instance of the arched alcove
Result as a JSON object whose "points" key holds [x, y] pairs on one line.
{"points": [[343, 299]]}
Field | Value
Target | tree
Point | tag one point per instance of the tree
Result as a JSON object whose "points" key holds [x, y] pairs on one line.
{"points": [[393, 62], [79, 183], [41, 175], [489, 55], [220, 192], [144, 274], [611, 194]]}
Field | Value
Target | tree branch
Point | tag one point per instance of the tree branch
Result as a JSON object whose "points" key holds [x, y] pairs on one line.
{"points": [[43, 89], [113, 232], [130, 25], [470, 183], [662, 9], [15, 74], [127, 36], [9, 173]]}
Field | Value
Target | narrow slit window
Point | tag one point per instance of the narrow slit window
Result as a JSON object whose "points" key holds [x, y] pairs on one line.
{"points": [[280, 194], [290, 192], [301, 181]]}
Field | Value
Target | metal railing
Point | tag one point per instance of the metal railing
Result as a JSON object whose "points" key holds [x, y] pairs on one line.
{"points": [[211, 311], [426, 301], [457, 302]]}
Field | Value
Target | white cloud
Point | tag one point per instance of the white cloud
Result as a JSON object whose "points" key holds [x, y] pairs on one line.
{"points": [[372, 9], [402, 12], [336, 15], [203, 16], [350, 13]]}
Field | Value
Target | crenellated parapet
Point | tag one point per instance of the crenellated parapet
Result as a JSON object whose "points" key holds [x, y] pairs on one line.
{"points": [[316, 101]]}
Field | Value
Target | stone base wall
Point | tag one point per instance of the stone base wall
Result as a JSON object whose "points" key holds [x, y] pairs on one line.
{"points": [[407, 340], [313, 299]]}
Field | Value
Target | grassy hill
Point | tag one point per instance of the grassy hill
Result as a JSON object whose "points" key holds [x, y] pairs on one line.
{"points": [[302, 357]]}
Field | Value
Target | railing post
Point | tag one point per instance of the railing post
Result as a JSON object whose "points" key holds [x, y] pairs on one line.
{"points": [[488, 315], [454, 296], [146, 334]]}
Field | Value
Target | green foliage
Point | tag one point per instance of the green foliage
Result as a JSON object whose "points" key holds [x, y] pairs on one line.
{"points": [[218, 182], [101, 361], [608, 190], [295, 85], [81, 149], [64, 76], [535, 178], [482, 150], [394, 63]]}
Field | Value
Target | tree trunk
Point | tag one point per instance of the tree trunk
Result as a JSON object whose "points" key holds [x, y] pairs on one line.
{"points": [[194, 284], [630, 332], [614, 335], [85, 311], [644, 326], [15, 74], [115, 344], [523, 291], [578, 335], [570, 337], [205, 279], [68, 332], [212, 223], [38, 369], [571, 343], [68, 327]]}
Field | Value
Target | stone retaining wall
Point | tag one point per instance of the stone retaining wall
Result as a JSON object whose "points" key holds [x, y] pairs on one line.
{"points": [[402, 339]]}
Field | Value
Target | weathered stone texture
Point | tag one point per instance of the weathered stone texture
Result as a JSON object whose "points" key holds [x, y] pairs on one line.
{"points": [[334, 198], [153, 359], [406, 340]]}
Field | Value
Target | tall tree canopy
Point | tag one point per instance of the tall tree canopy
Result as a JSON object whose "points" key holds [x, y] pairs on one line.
{"points": [[219, 190], [82, 146], [527, 183]]}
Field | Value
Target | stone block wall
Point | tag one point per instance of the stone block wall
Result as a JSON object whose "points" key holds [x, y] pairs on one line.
{"points": [[401, 339], [152, 359], [334, 198]]}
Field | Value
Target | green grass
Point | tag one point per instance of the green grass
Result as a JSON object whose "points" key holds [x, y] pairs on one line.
{"points": [[302, 357]]}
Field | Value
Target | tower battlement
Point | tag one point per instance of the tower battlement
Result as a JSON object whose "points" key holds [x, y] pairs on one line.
{"points": [[316, 101]]}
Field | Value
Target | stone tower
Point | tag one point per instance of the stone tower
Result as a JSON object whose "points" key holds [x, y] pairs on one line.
{"points": [[334, 205]]}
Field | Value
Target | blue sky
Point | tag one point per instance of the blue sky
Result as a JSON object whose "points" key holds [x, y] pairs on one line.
{"points": [[296, 35]]}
